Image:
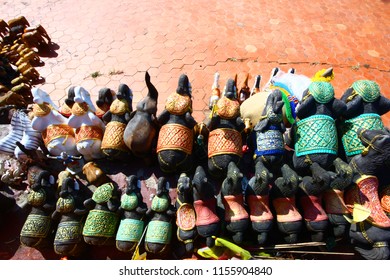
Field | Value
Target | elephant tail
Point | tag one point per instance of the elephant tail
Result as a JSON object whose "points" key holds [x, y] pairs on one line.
{"points": [[378, 251]]}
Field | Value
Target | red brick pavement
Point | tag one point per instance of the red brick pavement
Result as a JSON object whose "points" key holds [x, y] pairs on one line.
{"points": [[122, 39]]}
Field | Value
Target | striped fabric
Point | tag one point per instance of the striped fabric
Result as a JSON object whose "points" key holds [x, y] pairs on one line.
{"points": [[8, 143], [31, 139]]}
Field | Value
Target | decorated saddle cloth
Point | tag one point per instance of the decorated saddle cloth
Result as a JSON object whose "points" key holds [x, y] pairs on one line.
{"points": [[234, 209], [316, 135], [365, 193], [68, 232], [56, 131], [175, 137], [349, 131], [130, 230], [113, 136], [36, 226], [159, 232], [186, 216], [259, 208], [206, 212], [224, 141], [88, 132], [100, 223], [270, 142]]}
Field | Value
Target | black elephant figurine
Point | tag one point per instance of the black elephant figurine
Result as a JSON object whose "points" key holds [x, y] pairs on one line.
{"points": [[236, 216], [141, 132], [102, 221], [258, 201], [372, 235], [365, 105], [283, 196], [176, 136], [162, 214], [333, 198], [267, 138], [71, 213], [208, 223], [116, 119], [225, 126], [105, 98], [38, 227], [185, 213], [132, 210], [310, 201], [314, 134]]}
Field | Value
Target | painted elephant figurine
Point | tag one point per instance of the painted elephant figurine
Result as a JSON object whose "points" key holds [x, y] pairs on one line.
{"points": [[372, 235], [236, 216], [37, 228], [132, 211], [71, 213], [267, 138], [310, 201], [208, 223], [257, 197], [185, 213], [89, 128], [162, 213], [333, 198], [314, 135], [141, 132], [225, 126], [283, 196], [102, 221], [365, 106], [116, 119], [105, 98], [57, 135], [176, 136]]}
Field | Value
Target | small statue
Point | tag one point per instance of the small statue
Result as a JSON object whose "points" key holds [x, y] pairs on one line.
{"points": [[141, 132], [161, 213], [105, 98], [71, 214], [102, 221], [38, 226], [89, 128], [208, 223], [236, 216], [288, 218], [225, 126], [185, 213], [365, 106], [116, 119], [133, 211], [176, 136], [57, 135]]}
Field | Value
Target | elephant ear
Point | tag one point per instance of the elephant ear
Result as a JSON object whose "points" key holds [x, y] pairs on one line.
{"points": [[261, 125]]}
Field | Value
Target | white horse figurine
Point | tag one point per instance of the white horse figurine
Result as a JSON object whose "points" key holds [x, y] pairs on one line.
{"points": [[89, 128], [57, 135]]}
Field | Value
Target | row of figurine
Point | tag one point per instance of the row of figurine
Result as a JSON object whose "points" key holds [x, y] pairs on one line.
{"points": [[321, 131], [21, 48]]}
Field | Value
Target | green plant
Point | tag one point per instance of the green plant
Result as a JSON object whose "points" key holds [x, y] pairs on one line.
{"points": [[356, 67], [115, 72], [96, 74]]}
